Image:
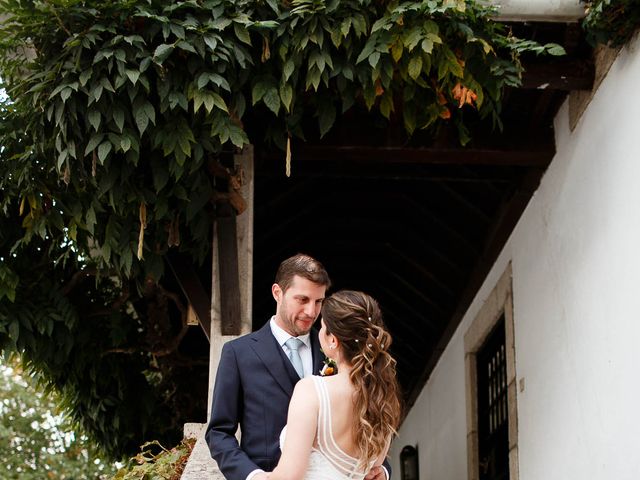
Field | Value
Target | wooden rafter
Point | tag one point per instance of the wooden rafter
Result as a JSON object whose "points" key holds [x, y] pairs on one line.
{"points": [[192, 289]]}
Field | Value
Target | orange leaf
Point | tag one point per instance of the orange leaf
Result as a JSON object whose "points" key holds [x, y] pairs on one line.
{"points": [[463, 97], [470, 97], [379, 88], [445, 114], [457, 91]]}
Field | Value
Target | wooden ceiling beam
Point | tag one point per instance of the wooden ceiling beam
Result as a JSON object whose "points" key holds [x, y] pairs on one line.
{"points": [[539, 114], [421, 209], [465, 203], [564, 74], [371, 155], [419, 337], [420, 268], [489, 181], [408, 287]]}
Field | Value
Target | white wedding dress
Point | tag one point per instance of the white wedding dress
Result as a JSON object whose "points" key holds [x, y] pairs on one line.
{"points": [[328, 461]]}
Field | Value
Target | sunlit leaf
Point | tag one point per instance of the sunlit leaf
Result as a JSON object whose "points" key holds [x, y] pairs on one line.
{"points": [[103, 150], [162, 52]]}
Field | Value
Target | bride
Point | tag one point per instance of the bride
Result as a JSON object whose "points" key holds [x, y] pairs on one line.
{"points": [[357, 410]]}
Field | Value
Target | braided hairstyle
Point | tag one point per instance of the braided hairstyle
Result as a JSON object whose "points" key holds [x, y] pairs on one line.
{"points": [[355, 319]]}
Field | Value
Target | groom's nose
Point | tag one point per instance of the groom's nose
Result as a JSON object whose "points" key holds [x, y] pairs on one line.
{"points": [[310, 310]]}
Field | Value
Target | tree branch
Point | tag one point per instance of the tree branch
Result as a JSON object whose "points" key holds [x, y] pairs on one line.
{"points": [[175, 343]]}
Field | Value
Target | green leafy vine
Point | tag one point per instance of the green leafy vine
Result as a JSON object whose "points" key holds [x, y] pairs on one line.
{"points": [[115, 117], [126, 102], [612, 22]]}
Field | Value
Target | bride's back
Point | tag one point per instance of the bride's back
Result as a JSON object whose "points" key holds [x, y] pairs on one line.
{"points": [[363, 397], [341, 405], [358, 408]]}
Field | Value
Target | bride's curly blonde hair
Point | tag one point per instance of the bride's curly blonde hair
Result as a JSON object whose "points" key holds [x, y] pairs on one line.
{"points": [[356, 321]]}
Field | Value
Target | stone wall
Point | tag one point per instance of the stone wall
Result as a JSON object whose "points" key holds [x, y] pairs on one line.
{"points": [[200, 465]]}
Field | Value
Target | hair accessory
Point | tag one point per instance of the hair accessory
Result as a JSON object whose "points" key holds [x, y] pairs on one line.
{"points": [[357, 341], [369, 318], [369, 345], [382, 345]]}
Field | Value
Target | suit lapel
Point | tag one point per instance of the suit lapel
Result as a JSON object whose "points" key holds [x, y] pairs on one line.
{"points": [[316, 353], [274, 359]]}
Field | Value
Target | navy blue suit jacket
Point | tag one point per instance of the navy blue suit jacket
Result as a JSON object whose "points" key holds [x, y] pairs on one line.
{"points": [[254, 384]]}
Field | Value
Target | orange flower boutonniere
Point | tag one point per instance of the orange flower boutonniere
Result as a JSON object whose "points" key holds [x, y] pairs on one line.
{"points": [[329, 368]]}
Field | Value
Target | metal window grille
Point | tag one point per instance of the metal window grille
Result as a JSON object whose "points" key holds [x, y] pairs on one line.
{"points": [[493, 417]]}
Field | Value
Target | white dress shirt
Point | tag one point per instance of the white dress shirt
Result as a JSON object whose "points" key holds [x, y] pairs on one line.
{"points": [[304, 350]]}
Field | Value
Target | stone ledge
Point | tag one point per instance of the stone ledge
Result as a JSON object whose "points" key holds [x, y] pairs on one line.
{"points": [[200, 465]]}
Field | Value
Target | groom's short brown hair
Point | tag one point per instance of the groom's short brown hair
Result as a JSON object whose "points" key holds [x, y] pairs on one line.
{"points": [[304, 266]]}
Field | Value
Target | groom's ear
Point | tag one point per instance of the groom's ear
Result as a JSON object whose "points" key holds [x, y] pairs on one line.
{"points": [[276, 291]]}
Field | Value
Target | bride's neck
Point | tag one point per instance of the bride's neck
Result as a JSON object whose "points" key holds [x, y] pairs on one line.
{"points": [[344, 367]]}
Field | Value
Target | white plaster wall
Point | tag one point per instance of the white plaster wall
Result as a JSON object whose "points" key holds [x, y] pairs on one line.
{"points": [[575, 256], [540, 10]]}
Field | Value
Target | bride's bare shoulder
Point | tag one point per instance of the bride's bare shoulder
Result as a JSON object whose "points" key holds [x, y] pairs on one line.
{"points": [[304, 399], [304, 387]]}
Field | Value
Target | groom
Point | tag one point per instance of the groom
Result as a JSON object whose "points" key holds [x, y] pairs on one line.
{"points": [[257, 374]]}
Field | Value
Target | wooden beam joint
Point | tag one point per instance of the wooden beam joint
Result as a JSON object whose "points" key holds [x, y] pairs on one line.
{"points": [[199, 300]]}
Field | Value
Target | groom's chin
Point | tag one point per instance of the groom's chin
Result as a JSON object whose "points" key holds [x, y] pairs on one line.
{"points": [[304, 326]]}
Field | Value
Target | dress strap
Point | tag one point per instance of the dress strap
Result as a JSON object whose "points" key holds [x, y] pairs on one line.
{"points": [[344, 463]]}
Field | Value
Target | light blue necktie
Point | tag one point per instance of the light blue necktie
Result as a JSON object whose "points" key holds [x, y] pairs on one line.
{"points": [[293, 344]]}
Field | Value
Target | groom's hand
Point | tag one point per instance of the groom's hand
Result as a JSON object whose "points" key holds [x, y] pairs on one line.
{"points": [[260, 476], [376, 473]]}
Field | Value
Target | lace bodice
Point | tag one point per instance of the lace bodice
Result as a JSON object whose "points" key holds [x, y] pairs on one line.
{"points": [[328, 461]]}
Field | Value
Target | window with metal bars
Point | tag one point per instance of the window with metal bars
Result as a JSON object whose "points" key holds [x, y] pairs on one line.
{"points": [[493, 417]]}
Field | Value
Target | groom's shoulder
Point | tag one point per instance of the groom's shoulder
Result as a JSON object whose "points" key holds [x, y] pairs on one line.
{"points": [[246, 339]]}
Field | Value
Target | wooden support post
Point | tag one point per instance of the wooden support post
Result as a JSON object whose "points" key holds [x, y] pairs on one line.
{"points": [[232, 317], [229, 277]]}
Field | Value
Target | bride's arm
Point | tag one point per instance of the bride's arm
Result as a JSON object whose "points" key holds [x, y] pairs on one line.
{"points": [[302, 424]]}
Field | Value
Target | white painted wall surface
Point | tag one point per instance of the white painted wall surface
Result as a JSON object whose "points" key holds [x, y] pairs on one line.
{"points": [[575, 256], [540, 10]]}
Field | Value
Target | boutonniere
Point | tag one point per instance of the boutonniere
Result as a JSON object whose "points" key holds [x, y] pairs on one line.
{"points": [[329, 368]]}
